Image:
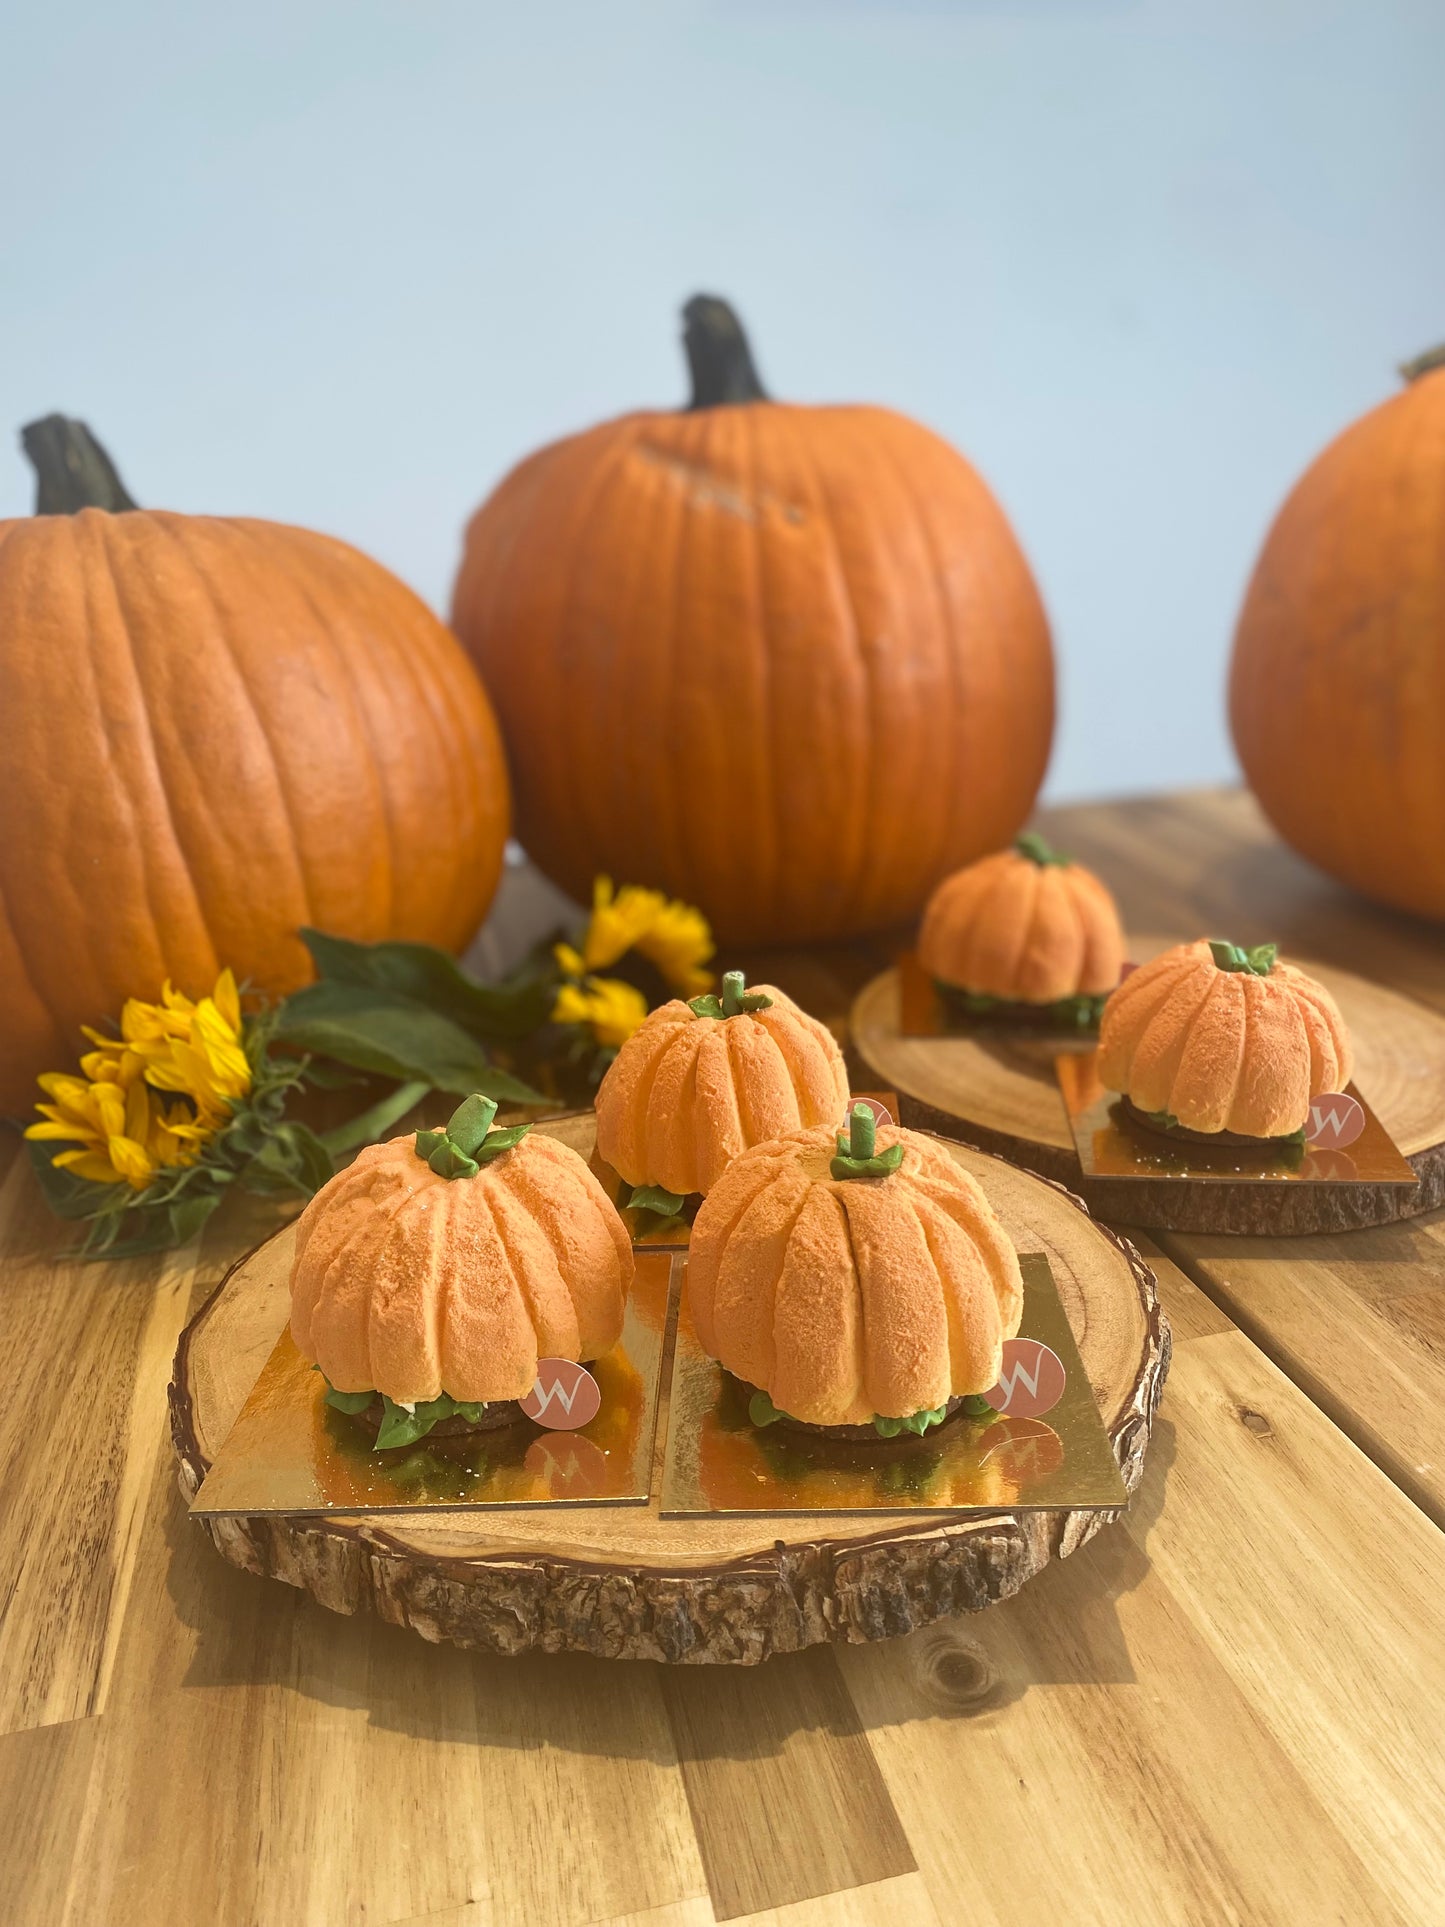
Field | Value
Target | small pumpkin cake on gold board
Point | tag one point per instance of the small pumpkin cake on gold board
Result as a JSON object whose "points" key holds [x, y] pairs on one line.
{"points": [[431, 1275], [861, 1282], [699, 1083], [1024, 932], [1212, 1041]]}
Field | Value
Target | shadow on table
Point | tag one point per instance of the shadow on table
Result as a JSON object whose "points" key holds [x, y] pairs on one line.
{"points": [[1062, 1628]]}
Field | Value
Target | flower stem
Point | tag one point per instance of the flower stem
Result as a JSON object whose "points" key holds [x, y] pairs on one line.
{"points": [[373, 1123]]}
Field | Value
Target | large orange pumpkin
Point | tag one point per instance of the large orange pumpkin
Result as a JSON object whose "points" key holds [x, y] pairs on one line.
{"points": [[1337, 692], [786, 662], [216, 730]]}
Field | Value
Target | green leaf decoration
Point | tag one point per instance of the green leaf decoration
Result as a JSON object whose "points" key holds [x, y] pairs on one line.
{"points": [[857, 1156], [1231, 956], [468, 1142], [1162, 1120], [350, 1402], [652, 1197], [428, 979], [1033, 846], [448, 1162], [400, 1427], [762, 1411], [977, 1406], [1081, 1012], [736, 998]]}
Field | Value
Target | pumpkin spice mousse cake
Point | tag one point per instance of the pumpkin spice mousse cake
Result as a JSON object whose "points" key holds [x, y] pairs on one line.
{"points": [[432, 1274], [858, 1283], [1213, 1043], [699, 1083], [1025, 933]]}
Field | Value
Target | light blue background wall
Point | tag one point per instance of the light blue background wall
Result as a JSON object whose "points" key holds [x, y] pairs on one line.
{"points": [[343, 264]]}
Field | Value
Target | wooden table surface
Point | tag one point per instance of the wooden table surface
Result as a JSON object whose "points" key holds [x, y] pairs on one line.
{"points": [[1225, 1708]]}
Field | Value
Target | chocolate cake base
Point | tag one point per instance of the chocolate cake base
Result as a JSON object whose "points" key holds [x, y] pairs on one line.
{"points": [[864, 1434], [503, 1412], [1180, 1134]]}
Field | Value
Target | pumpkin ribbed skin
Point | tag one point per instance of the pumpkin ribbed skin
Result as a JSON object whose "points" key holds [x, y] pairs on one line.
{"points": [[1337, 688], [686, 1095], [411, 1284], [814, 626], [1028, 932], [216, 731], [1223, 1050], [846, 1299]]}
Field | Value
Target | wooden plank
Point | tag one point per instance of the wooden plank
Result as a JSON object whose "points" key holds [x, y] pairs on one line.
{"points": [[262, 1760], [1225, 1708], [1358, 1322], [88, 1350], [786, 1798]]}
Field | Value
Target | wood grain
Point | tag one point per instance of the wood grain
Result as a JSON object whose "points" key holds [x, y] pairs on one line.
{"points": [[1220, 1709], [1271, 1690], [797, 1755], [626, 1583]]}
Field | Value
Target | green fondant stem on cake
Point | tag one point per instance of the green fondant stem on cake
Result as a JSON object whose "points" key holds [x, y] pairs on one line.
{"points": [[1034, 847], [736, 1000], [469, 1140], [858, 1153], [1257, 962]]}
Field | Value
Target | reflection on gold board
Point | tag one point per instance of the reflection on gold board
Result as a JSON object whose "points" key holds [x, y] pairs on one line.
{"points": [[717, 1461], [289, 1451], [1112, 1144]]}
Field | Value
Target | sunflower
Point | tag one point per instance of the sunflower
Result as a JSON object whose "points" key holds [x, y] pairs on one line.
{"points": [[120, 1128]]}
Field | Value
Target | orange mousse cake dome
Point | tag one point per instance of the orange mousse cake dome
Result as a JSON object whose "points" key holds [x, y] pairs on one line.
{"points": [[855, 1280], [1212, 1038], [1024, 926], [700, 1082], [445, 1264]]}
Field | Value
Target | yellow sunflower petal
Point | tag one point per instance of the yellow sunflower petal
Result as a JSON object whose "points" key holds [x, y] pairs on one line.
{"points": [[61, 1128], [88, 1164], [132, 1161], [227, 1000], [569, 960]]}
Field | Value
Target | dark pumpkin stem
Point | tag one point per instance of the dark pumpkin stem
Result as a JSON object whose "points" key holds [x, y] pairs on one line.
{"points": [[1033, 846], [72, 470], [718, 355], [1422, 364]]}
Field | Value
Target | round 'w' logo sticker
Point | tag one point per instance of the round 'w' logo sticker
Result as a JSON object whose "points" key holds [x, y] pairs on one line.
{"points": [[563, 1396], [1031, 1382], [1335, 1120]]}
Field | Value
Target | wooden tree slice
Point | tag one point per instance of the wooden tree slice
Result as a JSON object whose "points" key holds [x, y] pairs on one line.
{"points": [[622, 1582], [1003, 1096]]}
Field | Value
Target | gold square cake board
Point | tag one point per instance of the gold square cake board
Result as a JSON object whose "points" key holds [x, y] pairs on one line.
{"points": [[288, 1451], [1111, 1145], [717, 1461]]}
